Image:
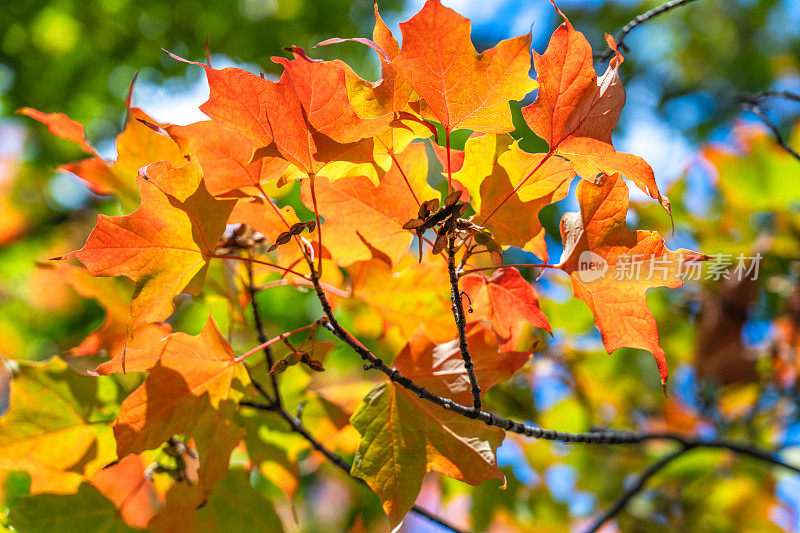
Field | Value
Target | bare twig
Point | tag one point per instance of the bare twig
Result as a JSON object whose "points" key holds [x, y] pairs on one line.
{"points": [[623, 500], [461, 323], [641, 19], [262, 336], [769, 94], [755, 103]]}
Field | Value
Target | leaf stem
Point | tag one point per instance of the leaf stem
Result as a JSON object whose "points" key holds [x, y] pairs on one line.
{"points": [[259, 261], [449, 166], [273, 340], [517, 265], [319, 225], [518, 187], [390, 151]]}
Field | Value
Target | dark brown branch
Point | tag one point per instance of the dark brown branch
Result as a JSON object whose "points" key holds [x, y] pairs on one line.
{"points": [[262, 337], [686, 445], [591, 437], [759, 96], [755, 103], [461, 322], [620, 504], [641, 19]]}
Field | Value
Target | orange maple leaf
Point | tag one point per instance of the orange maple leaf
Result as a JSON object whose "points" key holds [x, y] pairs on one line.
{"points": [[575, 111], [137, 146], [226, 158], [360, 216], [461, 88], [164, 246], [507, 301], [189, 391], [601, 254], [304, 117]]}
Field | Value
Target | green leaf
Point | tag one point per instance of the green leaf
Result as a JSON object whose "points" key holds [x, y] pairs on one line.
{"points": [[87, 510]]}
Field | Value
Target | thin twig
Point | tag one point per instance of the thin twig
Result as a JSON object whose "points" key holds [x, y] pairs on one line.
{"points": [[262, 336], [755, 104], [774, 94], [623, 500], [461, 322], [641, 19]]}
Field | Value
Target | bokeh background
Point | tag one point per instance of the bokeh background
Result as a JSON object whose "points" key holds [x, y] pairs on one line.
{"points": [[731, 346]]}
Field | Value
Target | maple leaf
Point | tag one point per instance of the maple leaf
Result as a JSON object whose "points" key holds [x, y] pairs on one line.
{"points": [[411, 295], [188, 390], [163, 246], [496, 170], [313, 132], [507, 301], [137, 146], [575, 111], [61, 126], [110, 338], [87, 510], [47, 431], [226, 158], [461, 88], [233, 505], [360, 216], [188, 377], [596, 243], [389, 97], [404, 437]]}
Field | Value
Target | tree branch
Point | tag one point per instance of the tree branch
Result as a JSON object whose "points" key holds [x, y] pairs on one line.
{"points": [[330, 323], [461, 322], [620, 504], [262, 336], [641, 19], [756, 105]]}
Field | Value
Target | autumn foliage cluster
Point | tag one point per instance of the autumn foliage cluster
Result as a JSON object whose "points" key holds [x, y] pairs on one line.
{"points": [[416, 260]]}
